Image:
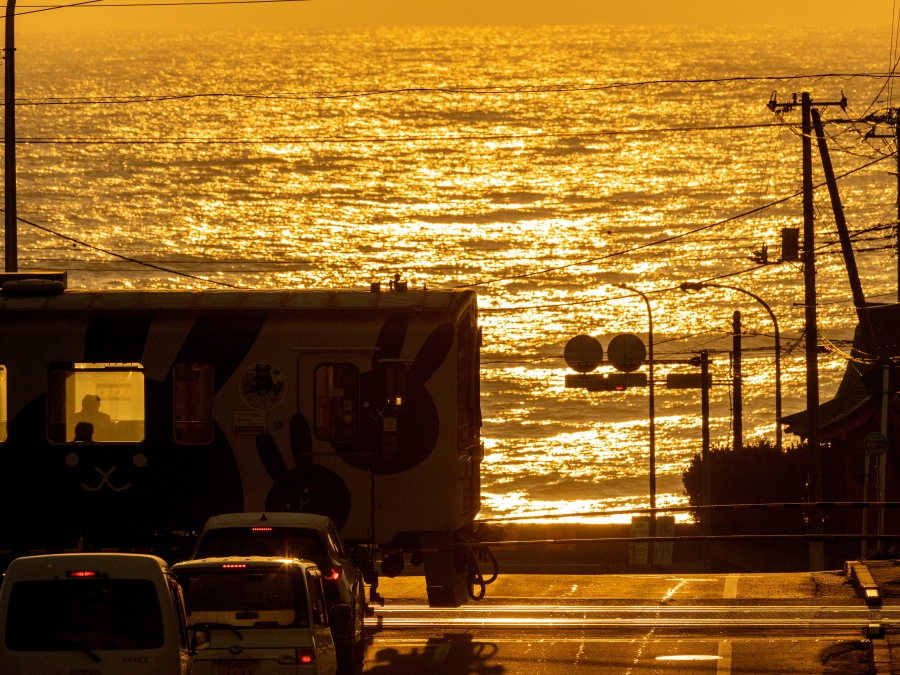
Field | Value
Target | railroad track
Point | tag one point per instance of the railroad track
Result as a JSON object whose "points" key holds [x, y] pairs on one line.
{"points": [[400, 616]]}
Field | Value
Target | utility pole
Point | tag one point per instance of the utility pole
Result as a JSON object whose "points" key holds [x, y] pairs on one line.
{"points": [[706, 488], [738, 406], [816, 548], [9, 143]]}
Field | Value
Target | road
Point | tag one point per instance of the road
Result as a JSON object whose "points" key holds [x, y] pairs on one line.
{"points": [[630, 625]]}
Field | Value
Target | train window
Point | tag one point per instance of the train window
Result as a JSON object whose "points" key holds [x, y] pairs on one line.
{"points": [[337, 402], [192, 403], [4, 427], [96, 403]]}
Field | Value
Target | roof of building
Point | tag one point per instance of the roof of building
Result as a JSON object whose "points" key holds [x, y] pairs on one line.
{"points": [[852, 395]]}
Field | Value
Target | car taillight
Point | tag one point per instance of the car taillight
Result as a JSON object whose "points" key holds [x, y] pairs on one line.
{"points": [[233, 566], [306, 655], [333, 574], [260, 529], [81, 574]]}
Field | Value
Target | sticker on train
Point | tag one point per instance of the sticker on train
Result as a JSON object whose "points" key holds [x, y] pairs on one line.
{"points": [[263, 386]]}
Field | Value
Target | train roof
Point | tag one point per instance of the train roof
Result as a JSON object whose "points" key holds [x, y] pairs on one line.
{"points": [[304, 300]]}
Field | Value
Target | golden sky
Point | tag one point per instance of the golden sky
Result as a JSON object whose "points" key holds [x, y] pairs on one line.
{"points": [[372, 13]]}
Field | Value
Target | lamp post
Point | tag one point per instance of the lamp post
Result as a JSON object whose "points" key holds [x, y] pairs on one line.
{"points": [[696, 286], [652, 401]]}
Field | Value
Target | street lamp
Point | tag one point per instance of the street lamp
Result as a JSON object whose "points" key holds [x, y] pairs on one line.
{"points": [[652, 400], [699, 285]]}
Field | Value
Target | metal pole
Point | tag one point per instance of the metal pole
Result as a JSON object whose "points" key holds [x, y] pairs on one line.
{"points": [[840, 222], [882, 459], [9, 143], [706, 490], [652, 398], [736, 383], [865, 512], [816, 548], [897, 151]]}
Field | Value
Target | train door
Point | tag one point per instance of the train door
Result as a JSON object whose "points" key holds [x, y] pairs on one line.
{"points": [[331, 402]]}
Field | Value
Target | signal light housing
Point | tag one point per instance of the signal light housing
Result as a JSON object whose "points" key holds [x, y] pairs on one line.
{"points": [[306, 655]]}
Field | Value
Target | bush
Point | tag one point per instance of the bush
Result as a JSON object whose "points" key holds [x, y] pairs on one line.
{"points": [[754, 474]]}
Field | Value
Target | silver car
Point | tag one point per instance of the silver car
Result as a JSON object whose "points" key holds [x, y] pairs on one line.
{"points": [[257, 616]]}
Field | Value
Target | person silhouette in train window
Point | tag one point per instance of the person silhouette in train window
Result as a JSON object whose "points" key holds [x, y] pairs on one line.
{"points": [[90, 413], [84, 432]]}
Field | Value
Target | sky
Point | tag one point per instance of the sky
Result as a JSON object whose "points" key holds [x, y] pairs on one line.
{"points": [[379, 13]]}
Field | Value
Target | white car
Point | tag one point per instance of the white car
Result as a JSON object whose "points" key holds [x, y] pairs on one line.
{"points": [[298, 535], [258, 616], [97, 613]]}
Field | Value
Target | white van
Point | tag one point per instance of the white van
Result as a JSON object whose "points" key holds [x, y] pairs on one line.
{"points": [[92, 614], [258, 616]]}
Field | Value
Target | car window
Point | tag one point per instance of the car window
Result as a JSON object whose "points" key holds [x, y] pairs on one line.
{"points": [[336, 542], [279, 542], [316, 596], [250, 597], [72, 614], [178, 605]]}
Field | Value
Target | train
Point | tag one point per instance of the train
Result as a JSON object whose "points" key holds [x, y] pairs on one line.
{"points": [[130, 417]]}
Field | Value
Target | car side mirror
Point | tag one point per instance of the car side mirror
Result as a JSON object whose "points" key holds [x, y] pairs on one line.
{"points": [[341, 619]]}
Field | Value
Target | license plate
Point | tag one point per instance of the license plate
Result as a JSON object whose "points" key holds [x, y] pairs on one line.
{"points": [[238, 667]]}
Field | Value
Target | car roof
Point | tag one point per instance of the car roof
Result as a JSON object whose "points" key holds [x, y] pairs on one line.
{"points": [[248, 561], [115, 565], [310, 521]]}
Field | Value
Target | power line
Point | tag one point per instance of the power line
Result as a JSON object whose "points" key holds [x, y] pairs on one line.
{"points": [[62, 140], [483, 90], [121, 257], [664, 240], [90, 4]]}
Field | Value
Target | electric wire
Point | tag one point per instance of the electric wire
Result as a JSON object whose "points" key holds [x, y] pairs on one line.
{"points": [[475, 90], [120, 256], [669, 238], [62, 140]]}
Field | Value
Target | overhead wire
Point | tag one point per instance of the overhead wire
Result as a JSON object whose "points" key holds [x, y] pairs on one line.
{"points": [[120, 256], [490, 90], [670, 238]]}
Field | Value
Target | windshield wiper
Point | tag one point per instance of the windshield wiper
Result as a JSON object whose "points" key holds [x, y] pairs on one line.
{"points": [[82, 648], [213, 626]]}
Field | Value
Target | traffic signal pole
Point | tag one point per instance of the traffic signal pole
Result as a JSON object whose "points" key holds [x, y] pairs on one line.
{"points": [[737, 388]]}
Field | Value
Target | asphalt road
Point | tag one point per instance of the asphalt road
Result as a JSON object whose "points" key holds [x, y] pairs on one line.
{"points": [[629, 625]]}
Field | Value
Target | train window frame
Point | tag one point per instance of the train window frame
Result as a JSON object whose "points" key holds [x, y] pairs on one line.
{"points": [[67, 369], [4, 404], [210, 437], [334, 438]]}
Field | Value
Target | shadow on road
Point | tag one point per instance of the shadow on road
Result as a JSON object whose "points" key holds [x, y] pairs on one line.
{"points": [[448, 655]]}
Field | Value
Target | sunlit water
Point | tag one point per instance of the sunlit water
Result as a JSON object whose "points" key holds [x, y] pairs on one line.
{"points": [[446, 189]]}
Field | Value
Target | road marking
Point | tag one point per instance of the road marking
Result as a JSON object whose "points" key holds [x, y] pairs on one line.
{"points": [[731, 584], [724, 665], [440, 654]]}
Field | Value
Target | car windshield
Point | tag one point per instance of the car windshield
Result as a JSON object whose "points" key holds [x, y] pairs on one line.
{"points": [[278, 542], [78, 614], [245, 597]]}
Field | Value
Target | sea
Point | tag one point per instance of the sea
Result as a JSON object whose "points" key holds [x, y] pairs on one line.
{"points": [[540, 166]]}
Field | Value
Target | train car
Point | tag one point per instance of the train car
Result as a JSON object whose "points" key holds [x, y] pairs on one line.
{"points": [[131, 417]]}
